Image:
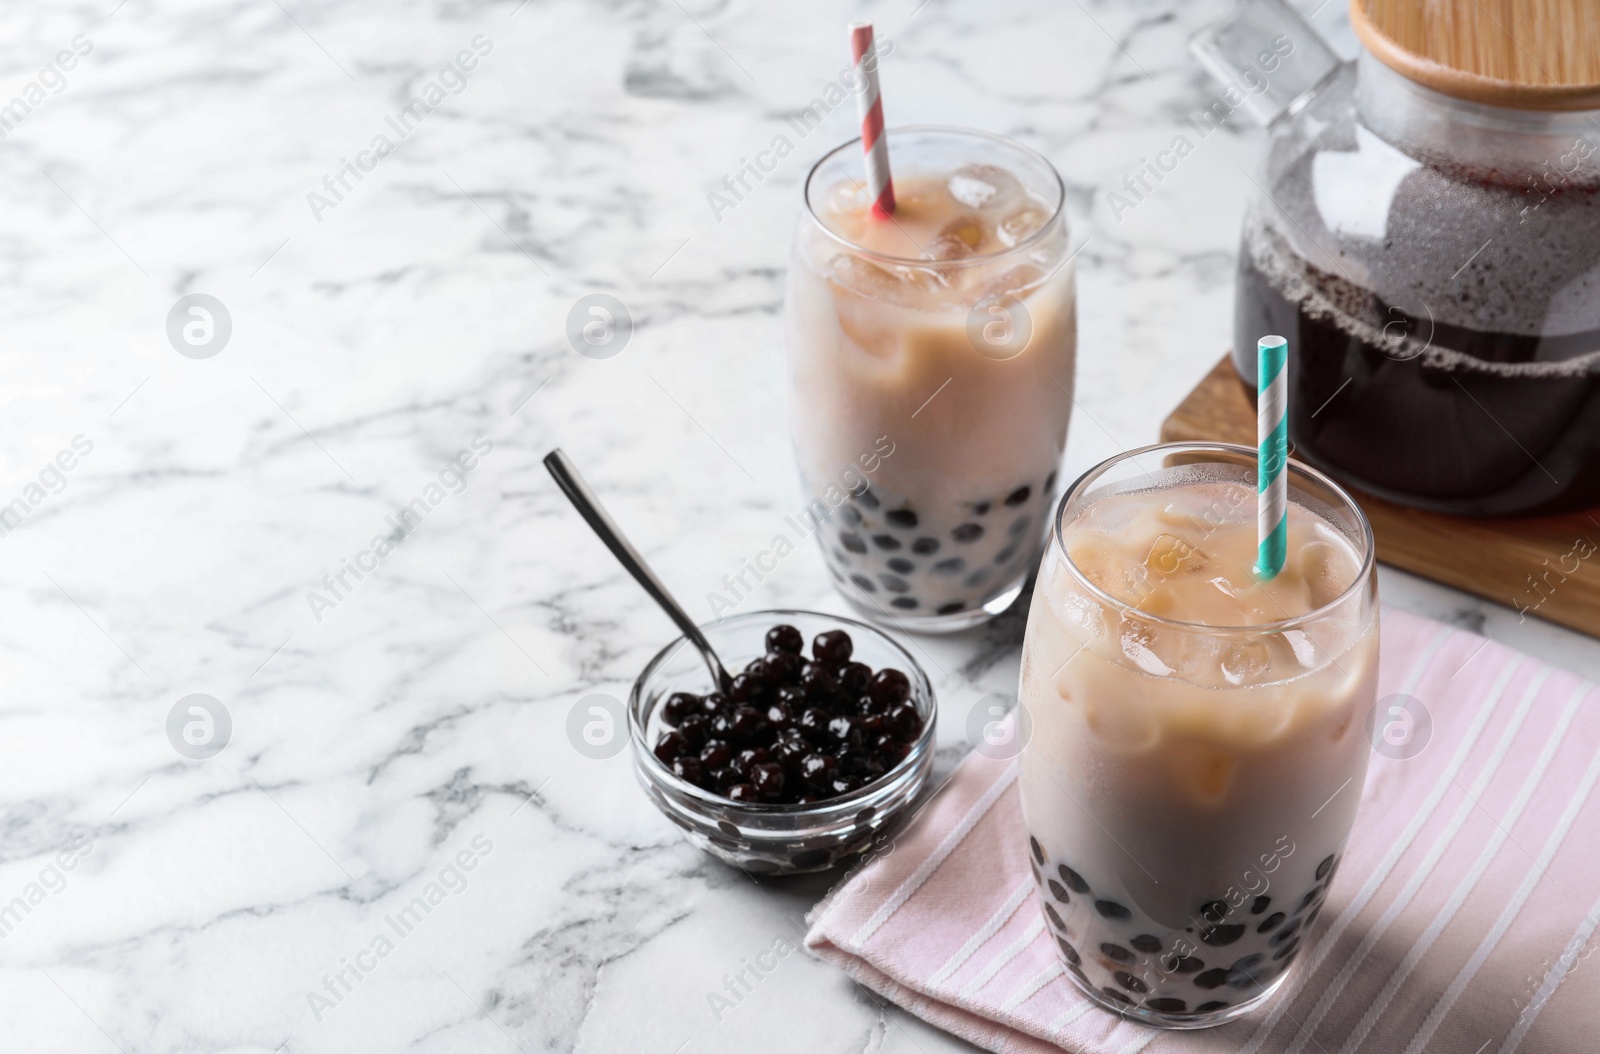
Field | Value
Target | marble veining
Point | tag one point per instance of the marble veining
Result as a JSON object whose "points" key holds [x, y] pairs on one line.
{"points": [[399, 847]]}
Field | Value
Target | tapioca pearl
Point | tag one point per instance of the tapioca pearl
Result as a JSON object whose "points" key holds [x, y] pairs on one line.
{"points": [[852, 542], [1069, 951], [1038, 850], [978, 577], [1049, 482], [906, 603], [887, 542], [1313, 916], [952, 566], [902, 518], [1213, 978], [1182, 964], [1110, 909], [1272, 922], [1073, 880], [1221, 936], [1286, 951], [1214, 911], [1004, 556], [863, 583], [1130, 982], [1020, 525], [952, 607], [901, 564], [1248, 962], [1020, 495], [925, 546], [1324, 867], [967, 532], [839, 557], [1260, 905], [1146, 943], [1283, 935], [1114, 994], [851, 515], [1167, 1005], [1054, 916], [1212, 1007], [1056, 889], [894, 583], [867, 499], [1309, 899], [1116, 952], [982, 508], [1247, 979]]}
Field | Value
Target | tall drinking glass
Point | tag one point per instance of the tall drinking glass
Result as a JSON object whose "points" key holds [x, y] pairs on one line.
{"points": [[1197, 739], [931, 360]]}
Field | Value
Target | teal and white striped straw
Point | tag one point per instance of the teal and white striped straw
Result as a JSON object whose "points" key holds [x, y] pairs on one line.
{"points": [[1272, 431]]}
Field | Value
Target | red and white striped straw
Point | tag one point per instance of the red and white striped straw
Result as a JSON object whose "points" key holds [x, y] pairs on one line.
{"points": [[864, 55]]}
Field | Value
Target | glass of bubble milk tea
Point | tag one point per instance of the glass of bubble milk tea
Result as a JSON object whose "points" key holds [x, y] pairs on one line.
{"points": [[931, 359], [1196, 739]]}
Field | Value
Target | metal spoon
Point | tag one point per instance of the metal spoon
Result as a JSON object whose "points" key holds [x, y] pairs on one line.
{"points": [[589, 507]]}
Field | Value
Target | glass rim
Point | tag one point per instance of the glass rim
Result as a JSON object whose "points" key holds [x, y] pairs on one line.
{"points": [[1057, 210], [1364, 573]]}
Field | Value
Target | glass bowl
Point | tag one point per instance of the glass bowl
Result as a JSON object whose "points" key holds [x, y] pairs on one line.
{"points": [[776, 839]]}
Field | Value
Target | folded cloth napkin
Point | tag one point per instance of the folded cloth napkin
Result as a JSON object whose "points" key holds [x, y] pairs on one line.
{"points": [[1461, 919]]}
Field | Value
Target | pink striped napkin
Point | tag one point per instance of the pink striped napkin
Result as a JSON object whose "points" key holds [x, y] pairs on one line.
{"points": [[1461, 920]]}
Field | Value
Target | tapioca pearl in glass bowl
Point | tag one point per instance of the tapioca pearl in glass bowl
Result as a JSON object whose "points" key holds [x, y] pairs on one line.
{"points": [[765, 838]]}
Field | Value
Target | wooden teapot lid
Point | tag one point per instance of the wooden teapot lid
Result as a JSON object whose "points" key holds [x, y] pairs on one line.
{"points": [[1526, 54]]}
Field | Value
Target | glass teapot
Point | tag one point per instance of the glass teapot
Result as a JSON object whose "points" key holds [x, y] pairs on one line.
{"points": [[1427, 236]]}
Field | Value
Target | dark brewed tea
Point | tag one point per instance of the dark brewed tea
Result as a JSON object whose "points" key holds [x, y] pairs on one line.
{"points": [[1403, 401]]}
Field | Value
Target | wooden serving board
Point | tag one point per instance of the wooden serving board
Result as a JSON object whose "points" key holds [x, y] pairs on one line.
{"points": [[1548, 568]]}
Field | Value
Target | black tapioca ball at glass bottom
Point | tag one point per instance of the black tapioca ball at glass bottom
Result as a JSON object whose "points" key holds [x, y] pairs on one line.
{"points": [[982, 508], [1054, 916], [851, 515], [1248, 962], [1038, 850], [1004, 556], [1069, 951], [1146, 943], [1110, 909], [1313, 916], [1213, 1006], [1271, 923], [852, 541], [1213, 978], [906, 603], [1019, 525], [1261, 904], [866, 498], [863, 583], [1309, 899], [1130, 982], [1214, 911], [951, 608], [902, 518], [1073, 880], [894, 583], [1116, 952], [952, 566], [978, 577], [1324, 867], [1114, 994], [1182, 964], [1221, 936], [887, 542], [1057, 890], [1165, 1004], [1283, 935], [967, 532], [925, 546], [1286, 951], [1020, 495], [902, 565]]}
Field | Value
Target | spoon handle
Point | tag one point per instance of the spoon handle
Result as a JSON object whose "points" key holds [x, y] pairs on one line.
{"points": [[588, 505]]}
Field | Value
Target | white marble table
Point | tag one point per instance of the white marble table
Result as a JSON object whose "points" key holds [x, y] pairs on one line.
{"points": [[402, 732]]}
